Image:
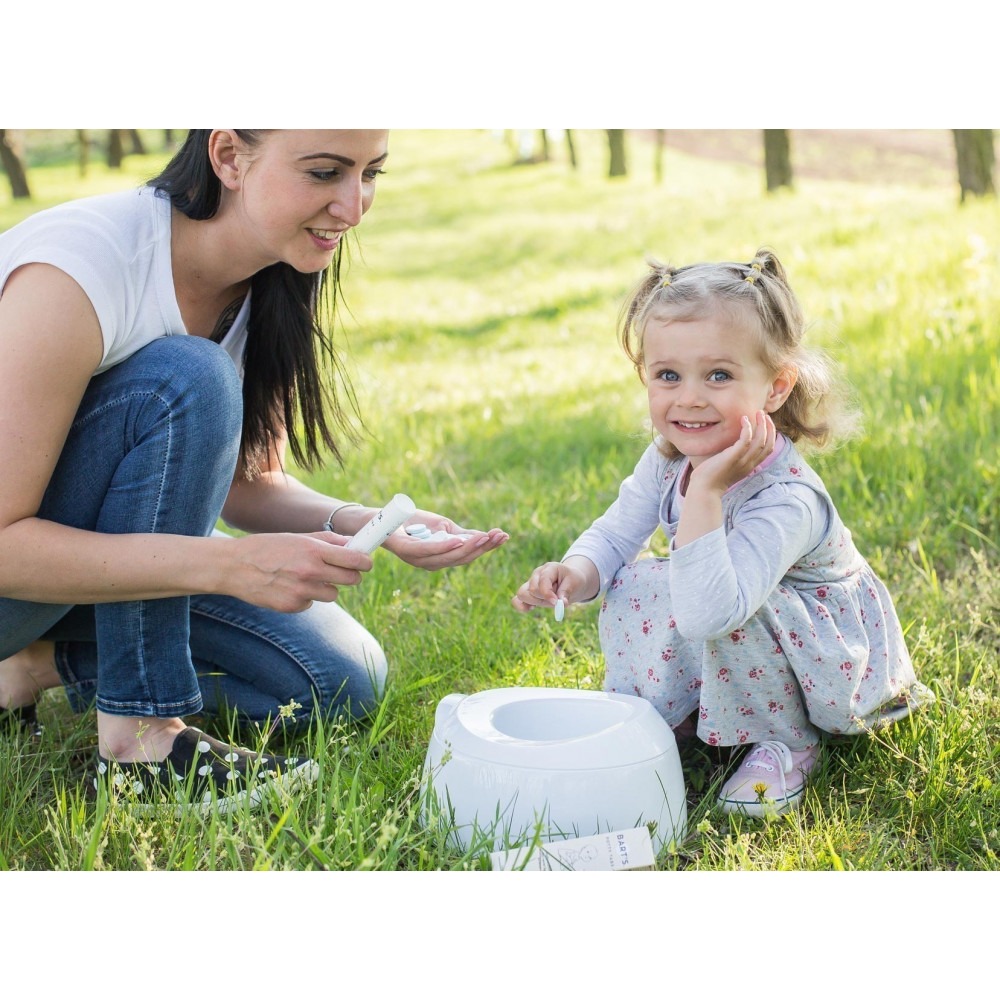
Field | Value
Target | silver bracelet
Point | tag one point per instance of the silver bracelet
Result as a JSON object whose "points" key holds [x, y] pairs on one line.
{"points": [[328, 526]]}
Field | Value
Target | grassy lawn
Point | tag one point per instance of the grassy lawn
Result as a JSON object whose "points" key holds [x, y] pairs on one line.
{"points": [[483, 299]]}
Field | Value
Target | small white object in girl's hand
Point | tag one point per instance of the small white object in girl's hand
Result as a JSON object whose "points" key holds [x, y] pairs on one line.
{"points": [[560, 609]]}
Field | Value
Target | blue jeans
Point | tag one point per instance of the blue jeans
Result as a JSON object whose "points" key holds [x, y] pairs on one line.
{"points": [[153, 449]]}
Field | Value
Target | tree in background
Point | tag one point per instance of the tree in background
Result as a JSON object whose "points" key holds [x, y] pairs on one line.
{"points": [[976, 159], [777, 158], [661, 141], [82, 150], [616, 151], [13, 167], [570, 148], [528, 145], [116, 150]]}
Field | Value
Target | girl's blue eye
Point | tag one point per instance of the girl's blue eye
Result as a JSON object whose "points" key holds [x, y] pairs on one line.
{"points": [[718, 376], [668, 376]]}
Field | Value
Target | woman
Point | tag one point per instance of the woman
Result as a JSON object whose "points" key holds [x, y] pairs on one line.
{"points": [[124, 441]]}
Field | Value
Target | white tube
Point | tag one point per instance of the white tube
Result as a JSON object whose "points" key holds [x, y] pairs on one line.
{"points": [[383, 524]]}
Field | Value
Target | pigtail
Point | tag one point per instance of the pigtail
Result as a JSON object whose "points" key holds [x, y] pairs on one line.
{"points": [[631, 320], [816, 410]]}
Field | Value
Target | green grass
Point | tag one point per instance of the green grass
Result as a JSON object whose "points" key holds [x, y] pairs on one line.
{"points": [[483, 304]]}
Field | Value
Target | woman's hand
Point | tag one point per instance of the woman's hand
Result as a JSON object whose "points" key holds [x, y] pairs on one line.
{"points": [[287, 572], [440, 554], [570, 581]]}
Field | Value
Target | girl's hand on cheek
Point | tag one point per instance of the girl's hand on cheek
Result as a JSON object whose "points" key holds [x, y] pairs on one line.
{"points": [[728, 467]]}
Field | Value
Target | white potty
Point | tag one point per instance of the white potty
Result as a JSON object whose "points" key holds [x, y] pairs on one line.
{"points": [[510, 764]]}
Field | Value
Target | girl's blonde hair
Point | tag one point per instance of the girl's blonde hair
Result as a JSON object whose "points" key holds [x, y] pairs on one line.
{"points": [[757, 297]]}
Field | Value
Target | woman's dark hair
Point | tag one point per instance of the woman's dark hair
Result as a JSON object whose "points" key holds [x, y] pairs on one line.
{"points": [[291, 370]]}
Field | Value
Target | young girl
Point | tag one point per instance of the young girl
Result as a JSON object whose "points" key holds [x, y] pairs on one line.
{"points": [[764, 619], [158, 348]]}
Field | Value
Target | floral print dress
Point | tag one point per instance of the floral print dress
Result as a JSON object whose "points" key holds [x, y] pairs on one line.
{"points": [[772, 627]]}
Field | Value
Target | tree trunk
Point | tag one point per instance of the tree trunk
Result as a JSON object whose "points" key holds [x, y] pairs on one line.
{"points": [[976, 159], [616, 150], [777, 158], [168, 138], [137, 144], [543, 145], [571, 148], [661, 139], [13, 167], [82, 150], [115, 151]]}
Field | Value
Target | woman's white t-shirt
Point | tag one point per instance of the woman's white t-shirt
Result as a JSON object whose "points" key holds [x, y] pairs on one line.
{"points": [[116, 247]]}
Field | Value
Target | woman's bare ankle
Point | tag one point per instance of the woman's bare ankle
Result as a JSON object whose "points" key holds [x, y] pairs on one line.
{"points": [[26, 674], [127, 738]]}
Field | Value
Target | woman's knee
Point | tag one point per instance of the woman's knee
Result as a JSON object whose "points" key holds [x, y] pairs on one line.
{"points": [[180, 396], [358, 686], [198, 382], [322, 659]]}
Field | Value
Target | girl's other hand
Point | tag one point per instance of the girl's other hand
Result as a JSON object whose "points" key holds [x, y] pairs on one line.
{"points": [[551, 582]]}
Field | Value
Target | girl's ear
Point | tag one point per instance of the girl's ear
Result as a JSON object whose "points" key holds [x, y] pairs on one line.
{"points": [[224, 147], [781, 388]]}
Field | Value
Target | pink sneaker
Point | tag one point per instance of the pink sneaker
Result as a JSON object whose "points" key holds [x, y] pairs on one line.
{"points": [[771, 779]]}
